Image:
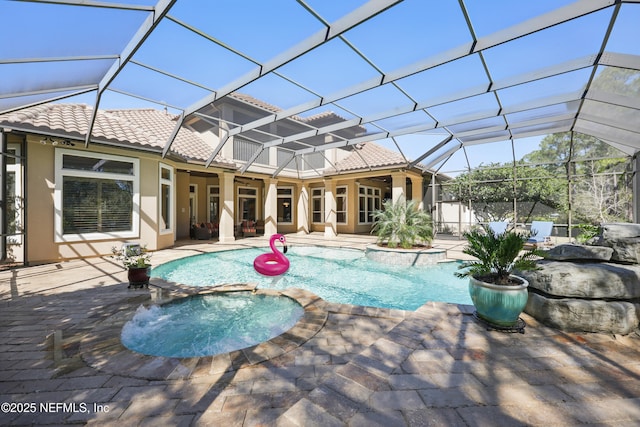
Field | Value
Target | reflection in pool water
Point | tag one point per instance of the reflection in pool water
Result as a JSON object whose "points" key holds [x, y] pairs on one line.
{"points": [[336, 275]]}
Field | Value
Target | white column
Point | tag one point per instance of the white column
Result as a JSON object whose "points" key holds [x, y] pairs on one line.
{"points": [[227, 215], [302, 210], [271, 207], [330, 206], [398, 186]]}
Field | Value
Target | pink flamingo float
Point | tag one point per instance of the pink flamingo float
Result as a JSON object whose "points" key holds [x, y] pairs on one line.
{"points": [[273, 263]]}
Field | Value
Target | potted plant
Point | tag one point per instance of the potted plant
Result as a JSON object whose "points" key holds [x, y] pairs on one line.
{"points": [[402, 224], [137, 260], [498, 295]]}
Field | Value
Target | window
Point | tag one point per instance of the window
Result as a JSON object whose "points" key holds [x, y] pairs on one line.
{"points": [[214, 204], [369, 201], [166, 199], [96, 196], [313, 161], [244, 150], [14, 193], [317, 205], [285, 205], [341, 205], [247, 198]]}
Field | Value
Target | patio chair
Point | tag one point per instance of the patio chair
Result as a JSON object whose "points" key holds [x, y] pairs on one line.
{"points": [[540, 233], [248, 228], [498, 227]]}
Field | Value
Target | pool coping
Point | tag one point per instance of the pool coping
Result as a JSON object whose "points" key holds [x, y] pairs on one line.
{"points": [[102, 348]]}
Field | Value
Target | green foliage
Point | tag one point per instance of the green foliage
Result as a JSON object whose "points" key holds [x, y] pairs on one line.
{"points": [[587, 232], [132, 257], [497, 255], [491, 190], [558, 148], [402, 224], [600, 183]]}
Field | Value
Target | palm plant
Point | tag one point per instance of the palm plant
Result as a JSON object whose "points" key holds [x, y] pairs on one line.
{"points": [[402, 224], [497, 255]]}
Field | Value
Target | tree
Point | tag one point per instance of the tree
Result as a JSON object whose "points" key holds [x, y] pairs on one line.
{"points": [[491, 191], [598, 172]]}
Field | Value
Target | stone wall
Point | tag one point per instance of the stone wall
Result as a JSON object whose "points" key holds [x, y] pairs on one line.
{"points": [[398, 256], [594, 288]]}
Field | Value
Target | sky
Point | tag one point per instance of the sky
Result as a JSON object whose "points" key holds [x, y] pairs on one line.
{"points": [[254, 32]]}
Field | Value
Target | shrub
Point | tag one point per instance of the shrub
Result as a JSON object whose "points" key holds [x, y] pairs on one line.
{"points": [[497, 255], [402, 224]]}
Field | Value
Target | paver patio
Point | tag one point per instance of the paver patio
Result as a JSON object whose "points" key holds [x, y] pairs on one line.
{"points": [[360, 367]]}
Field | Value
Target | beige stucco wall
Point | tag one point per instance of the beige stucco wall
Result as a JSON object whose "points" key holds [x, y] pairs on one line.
{"points": [[40, 212], [40, 207], [182, 205]]}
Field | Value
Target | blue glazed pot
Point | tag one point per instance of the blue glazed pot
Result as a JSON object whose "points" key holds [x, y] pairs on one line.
{"points": [[500, 305]]}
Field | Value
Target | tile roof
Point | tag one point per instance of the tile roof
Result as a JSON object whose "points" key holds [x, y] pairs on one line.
{"points": [[318, 120], [151, 128], [138, 127], [370, 155], [254, 101]]}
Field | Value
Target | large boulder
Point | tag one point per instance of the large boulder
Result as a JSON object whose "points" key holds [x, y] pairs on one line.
{"points": [[620, 230], [624, 239], [586, 280], [569, 314], [579, 252]]}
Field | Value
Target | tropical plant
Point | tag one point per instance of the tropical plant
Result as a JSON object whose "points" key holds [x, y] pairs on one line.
{"points": [[497, 255], [402, 224], [132, 256]]}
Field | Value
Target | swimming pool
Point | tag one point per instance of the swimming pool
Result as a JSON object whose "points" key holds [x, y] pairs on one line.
{"points": [[336, 275], [204, 325]]}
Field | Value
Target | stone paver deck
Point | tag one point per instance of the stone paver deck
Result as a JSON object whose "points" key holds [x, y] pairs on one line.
{"points": [[61, 362]]}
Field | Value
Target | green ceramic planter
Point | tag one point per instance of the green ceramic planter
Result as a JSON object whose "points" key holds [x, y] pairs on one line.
{"points": [[500, 305]]}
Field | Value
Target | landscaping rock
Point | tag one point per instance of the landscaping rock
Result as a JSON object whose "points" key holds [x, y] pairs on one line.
{"points": [[590, 288], [624, 239], [625, 250], [586, 280], [567, 314], [620, 230], [579, 252]]}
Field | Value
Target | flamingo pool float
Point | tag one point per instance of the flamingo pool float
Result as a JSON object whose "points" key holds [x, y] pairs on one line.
{"points": [[274, 263]]}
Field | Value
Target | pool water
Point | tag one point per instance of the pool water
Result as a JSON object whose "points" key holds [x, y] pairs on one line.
{"points": [[336, 275], [206, 325]]}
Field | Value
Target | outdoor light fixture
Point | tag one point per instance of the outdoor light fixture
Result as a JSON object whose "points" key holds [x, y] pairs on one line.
{"points": [[52, 141]]}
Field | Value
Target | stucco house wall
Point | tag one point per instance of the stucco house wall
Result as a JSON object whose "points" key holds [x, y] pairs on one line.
{"points": [[63, 124]]}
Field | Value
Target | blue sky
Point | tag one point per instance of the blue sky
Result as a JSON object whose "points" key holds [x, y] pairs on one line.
{"points": [[408, 32]]}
